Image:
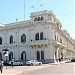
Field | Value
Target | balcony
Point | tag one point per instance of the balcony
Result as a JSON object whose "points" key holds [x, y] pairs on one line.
{"points": [[39, 43], [71, 49], [58, 44]]}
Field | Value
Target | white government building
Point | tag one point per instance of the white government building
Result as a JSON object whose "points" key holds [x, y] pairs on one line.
{"points": [[40, 38]]}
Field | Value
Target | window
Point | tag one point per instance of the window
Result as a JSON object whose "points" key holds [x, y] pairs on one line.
{"points": [[35, 19], [41, 36], [23, 38], [23, 55], [38, 18], [11, 56], [37, 36], [42, 54], [11, 39], [38, 55], [60, 40], [41, 18], [0, 40]]}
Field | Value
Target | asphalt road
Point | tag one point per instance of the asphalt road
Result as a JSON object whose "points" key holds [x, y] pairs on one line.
{"points": [[60, 69]]}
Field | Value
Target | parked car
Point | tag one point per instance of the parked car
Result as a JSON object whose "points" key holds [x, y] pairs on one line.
{"points": [[73, 60], [33, 62], [17, 63], [5, 63]]}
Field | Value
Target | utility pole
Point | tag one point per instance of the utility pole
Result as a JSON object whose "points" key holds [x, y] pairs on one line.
{"points": [[24, 10]]}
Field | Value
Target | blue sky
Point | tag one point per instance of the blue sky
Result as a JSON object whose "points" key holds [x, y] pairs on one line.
{"points": [[63, 9]]}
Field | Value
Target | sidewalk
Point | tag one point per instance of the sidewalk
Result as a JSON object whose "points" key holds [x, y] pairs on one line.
{"points": [[10, 71], [16, 70]]}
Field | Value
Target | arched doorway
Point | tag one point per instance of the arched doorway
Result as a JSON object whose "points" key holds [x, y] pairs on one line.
{"points": [[0, 55], [42, 55], [11, 56], [23, 55], [38, 55]]}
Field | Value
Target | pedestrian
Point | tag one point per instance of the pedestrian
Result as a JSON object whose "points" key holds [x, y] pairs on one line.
{"points": [[12, 62], [1, 65], [59, 59]]}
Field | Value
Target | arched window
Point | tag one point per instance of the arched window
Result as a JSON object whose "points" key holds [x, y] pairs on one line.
{"points": [[41, 18], [11, 39], [23, 38], [23, 55], [11, 56], [38, 55], [35, 19], [0, 40], [41, 36], [42, 54], [37, 36]]}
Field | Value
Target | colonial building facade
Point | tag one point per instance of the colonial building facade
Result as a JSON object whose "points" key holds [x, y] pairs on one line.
{"points": [[39, 38]]}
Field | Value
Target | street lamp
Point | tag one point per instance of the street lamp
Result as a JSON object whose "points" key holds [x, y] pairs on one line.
{"points": [[5, 53]]}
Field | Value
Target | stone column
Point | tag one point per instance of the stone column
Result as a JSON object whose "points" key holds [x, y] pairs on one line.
{"points": [[57, 53]]}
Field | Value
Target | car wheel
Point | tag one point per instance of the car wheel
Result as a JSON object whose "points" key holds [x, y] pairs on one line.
{"points": [[39, 63], [19, 64], [31, 64]]}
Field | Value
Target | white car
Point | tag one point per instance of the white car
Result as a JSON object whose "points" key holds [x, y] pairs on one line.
{"points": [[33, 62]]}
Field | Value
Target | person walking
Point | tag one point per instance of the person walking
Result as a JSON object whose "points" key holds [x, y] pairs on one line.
{"points": [[12, 62], [1, 65]]}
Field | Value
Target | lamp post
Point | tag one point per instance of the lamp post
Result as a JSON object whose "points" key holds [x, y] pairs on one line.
{"points": [[5, 53]]}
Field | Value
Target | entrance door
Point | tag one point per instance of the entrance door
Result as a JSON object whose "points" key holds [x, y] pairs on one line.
{"points": [[11, 56], [38, 55], [23, 55]]}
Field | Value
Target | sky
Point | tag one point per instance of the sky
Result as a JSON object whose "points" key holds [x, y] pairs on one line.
{"points": [[63, 9]]}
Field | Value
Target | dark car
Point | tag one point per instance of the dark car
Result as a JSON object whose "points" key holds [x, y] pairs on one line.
{"points": [[16, 63], [5, 63], [73, 60]]}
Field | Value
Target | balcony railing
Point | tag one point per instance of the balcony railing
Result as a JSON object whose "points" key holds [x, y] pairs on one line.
{"points": [[39, 43]]}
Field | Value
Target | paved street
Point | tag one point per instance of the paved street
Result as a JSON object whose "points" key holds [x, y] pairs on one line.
{"points": [[16, 70], [61, 69], [46, 69]]}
